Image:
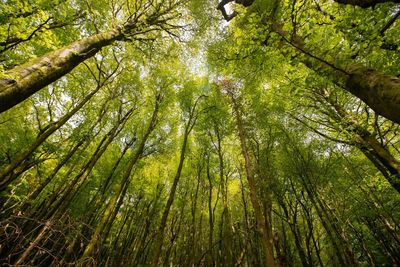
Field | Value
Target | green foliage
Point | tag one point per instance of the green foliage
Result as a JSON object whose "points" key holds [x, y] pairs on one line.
{"points": [[325, 165]]}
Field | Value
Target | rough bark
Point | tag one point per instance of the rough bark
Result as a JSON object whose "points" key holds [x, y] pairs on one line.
{"points": [[379, 91]]}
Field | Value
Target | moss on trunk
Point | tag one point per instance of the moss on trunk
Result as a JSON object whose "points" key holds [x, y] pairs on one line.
{"points": [[380, 92], [23, 81]]}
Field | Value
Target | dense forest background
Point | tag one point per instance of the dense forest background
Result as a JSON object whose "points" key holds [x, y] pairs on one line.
{"points": [[199, 133]]}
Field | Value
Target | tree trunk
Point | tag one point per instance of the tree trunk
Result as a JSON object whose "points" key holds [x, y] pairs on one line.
{"points": [[23, 81], [327, 218], [5, 174], [160, 234], [33, 244], [49, 178], [101, 195], [262, 227], [292, 221], [377, 153], [379, 91], [210, 216], [112, 207], [63, 201], [163, 223], [193, 238]]}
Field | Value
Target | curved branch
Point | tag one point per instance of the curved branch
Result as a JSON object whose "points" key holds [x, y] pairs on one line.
{"points": [[221, 7]]}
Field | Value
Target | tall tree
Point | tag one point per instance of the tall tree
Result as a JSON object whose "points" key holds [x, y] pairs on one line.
{"points": [[263, 221], [189, 124], [21, 82]]}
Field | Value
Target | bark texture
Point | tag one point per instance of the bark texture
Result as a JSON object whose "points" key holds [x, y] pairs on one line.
{"points": [[379, 91], [18, 84]]}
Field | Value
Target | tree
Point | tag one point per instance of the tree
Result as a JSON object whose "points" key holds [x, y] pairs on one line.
{"points": [[190, 123], [378, 90], [21, 82], [195, 142], [263, 221]]}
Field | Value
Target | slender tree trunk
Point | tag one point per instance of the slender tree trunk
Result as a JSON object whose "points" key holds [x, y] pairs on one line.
{"points": [[111, 218], [85, 139], [226, 241], [112, 207], [49, 178], [100, 196], [327, 217], [174, 235], [63, 201], [140, 242], [210, 216], [247, 237], [385, 245], [261, 220], [292, 221], [6, 172], [160, 234], [163, 223], [33, 244], [193, 242]]}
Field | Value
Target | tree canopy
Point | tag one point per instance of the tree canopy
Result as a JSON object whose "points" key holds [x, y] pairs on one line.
{"points": [[199, 133]]}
